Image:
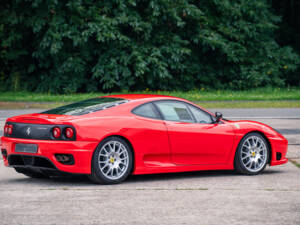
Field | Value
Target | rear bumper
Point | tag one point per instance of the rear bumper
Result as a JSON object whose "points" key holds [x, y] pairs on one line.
{"points": [[80, 150]]}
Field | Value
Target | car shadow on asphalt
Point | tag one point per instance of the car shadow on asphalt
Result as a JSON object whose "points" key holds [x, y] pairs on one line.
{"points": [[82, 180], [189, 175]]}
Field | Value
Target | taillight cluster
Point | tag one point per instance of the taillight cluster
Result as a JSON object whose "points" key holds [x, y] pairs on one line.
{"points": [[56, 132], [67, 133], [8, 129]]}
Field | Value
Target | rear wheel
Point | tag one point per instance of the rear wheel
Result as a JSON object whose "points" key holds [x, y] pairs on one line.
{"points": [[31, 173], [112, 161], [252, 154]]}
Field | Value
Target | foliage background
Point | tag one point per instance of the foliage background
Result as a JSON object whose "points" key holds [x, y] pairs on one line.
{"points": [[110, 45]]}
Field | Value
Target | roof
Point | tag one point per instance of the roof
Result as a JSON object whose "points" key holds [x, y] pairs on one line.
{"points": [[138, 96]]}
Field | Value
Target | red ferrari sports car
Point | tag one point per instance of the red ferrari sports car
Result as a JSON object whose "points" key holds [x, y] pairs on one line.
{"points": [[111, 137]]}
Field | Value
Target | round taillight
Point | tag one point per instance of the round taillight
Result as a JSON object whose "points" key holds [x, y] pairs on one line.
{"points": [[69, 132], [56, 132], [10, 129], [6, 129]]}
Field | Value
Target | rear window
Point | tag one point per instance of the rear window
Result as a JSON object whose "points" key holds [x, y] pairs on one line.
{"points": [[86, 106]]}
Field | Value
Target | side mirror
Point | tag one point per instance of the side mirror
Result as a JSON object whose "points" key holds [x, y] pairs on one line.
{"points": [[218, 116]]}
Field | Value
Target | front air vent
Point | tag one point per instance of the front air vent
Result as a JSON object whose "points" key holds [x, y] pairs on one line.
{"points": [[278, 155]]}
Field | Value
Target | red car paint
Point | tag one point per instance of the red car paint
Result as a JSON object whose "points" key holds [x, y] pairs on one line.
{"points": [[159, 146]]}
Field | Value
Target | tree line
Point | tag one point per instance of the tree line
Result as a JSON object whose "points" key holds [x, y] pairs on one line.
{"points": [[111, 45]]}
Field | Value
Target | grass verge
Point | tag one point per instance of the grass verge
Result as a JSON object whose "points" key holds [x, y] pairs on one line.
{"points": [[256, 98], [262, 94], [296, 163], [250, 104], [205, 104]]}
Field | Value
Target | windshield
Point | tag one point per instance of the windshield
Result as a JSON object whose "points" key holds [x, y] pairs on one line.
{"points": [[86, 106]]}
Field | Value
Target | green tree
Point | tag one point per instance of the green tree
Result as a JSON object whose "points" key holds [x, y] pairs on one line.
{"points": [[77, 46], [289, 32]]}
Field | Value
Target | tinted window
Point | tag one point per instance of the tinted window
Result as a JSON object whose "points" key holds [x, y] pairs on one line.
{"points": [[174, 111], [146, 110], [86, 106], [200, 116]]}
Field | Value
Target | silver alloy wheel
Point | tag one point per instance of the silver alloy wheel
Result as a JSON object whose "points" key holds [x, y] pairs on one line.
{"points": [[113, 160], [254, 153]]}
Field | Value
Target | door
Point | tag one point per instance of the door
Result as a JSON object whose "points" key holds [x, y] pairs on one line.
{"points": [[193, 137]]}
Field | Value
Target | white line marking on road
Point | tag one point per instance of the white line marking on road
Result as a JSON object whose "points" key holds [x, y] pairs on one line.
{"points": [[233, 117], [261, 117]]}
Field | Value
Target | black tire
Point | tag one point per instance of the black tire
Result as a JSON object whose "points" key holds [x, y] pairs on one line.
{"points": [[97, 175], [31, 173], [239, 164]]}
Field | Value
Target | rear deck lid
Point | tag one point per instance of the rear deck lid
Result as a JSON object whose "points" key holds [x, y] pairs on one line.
{"points": [[38, 118]]}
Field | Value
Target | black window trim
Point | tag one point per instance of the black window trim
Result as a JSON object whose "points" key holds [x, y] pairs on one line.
{"points": [[161, 116], [180, 121], [187, 105], [210, 116], [174, 100], [158, 114]]}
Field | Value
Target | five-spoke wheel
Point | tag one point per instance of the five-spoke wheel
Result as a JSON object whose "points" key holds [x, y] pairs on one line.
{"points": [[252, 154]]}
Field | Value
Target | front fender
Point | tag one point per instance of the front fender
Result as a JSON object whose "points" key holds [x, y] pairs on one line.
{"points": [[278, 143]]}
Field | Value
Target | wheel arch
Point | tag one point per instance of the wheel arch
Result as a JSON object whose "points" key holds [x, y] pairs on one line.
{"points": [[265, 137], [124, 139]]}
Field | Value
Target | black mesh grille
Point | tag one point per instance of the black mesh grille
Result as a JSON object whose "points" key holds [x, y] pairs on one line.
{"points": [[32, 161], [4, 153]]}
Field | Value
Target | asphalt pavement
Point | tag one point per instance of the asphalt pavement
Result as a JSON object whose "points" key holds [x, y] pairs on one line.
{"points": [[207, 197]]}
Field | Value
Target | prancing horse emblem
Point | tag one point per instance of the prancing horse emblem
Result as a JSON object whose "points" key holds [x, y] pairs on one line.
{"points": [[28, 130]]}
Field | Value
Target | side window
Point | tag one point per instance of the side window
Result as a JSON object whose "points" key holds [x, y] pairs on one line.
{"points": [[201, 116], [174, 111], [146, 110]]}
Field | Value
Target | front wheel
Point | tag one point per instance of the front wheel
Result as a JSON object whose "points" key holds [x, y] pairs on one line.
{"points": [[112, 161], [252, 154]]}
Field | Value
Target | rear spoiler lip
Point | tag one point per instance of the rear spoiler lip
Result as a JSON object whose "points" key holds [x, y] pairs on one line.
{"points": [[37, 118]]}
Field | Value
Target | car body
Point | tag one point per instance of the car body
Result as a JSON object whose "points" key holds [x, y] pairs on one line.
{"points": [[175, 142]]}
